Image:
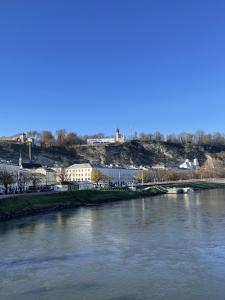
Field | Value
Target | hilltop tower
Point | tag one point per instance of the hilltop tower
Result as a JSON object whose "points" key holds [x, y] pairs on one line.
{"points": [[120, 138]]}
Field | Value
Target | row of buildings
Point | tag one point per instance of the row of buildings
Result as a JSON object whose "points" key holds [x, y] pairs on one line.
{"points": [[44, 176], [77, 174]]}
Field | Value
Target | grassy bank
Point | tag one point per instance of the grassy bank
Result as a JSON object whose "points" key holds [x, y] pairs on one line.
{"points": [[31, 204]]}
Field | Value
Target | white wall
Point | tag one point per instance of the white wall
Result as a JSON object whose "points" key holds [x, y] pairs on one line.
{"points": [[118, 174], [10, 168]]}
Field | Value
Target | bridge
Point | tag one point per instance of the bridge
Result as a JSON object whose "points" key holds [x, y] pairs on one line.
{"points": [[187, 181], [179, 186]]}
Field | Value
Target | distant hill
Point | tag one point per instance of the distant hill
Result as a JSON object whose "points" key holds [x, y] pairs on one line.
{"points": [[134, 153]]}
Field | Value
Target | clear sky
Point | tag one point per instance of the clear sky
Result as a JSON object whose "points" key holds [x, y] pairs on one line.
{"points": [[93, 65]]}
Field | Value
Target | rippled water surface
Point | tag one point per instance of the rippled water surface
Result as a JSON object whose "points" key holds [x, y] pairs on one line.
{"points": [[166, 247]]}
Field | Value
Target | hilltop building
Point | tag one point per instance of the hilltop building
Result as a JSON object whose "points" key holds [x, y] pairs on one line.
{"points": [[18, 138], [118, 138]]}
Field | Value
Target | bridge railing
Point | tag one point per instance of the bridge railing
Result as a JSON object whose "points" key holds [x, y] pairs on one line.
{"points": [[212, 180]]}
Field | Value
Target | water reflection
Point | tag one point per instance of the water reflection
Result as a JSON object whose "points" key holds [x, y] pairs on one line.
{"points": [[165, 247]]}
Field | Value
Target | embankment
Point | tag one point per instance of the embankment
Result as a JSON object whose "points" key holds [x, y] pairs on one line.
{"points": [[24, 205], [30, 204]]}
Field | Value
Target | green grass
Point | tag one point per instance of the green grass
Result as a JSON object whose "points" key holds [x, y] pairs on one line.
{"points": [[31, 204]]}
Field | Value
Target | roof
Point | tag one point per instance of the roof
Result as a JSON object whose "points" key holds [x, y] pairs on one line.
{"points": [[98, 166], [80, 166], [31, 166]]}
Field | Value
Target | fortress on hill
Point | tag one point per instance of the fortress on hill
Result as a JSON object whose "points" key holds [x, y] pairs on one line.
{"points": [[18, 138]]}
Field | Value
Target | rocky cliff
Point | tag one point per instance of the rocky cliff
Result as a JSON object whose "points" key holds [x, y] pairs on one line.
{"points": [[134, 153]]}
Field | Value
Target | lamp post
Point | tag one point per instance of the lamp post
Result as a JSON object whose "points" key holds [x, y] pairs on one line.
{"points": [[46, 180]]}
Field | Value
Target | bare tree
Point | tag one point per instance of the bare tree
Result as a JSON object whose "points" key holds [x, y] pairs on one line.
{"points": [[157, 136], [22, 180], [212, 168], [47, 138], [143, 176], [172, 138], [97, 176], [6, 179], [35, 179], [73, 139], [61, 175], [61, 137]]}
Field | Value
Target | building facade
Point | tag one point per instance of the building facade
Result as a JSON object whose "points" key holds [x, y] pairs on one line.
{"points": [[10, 168], [48, 176], [83, 172]]}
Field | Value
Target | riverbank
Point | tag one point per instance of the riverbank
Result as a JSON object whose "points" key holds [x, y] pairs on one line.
{"points": [[25, 205], [30, 204]]}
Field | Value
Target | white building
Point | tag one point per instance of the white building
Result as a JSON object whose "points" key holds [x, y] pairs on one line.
{"points": [[119, 138], [49, 176], [82, 172], [189, 165], [78, 172], [9, 167], [59, 174], [14, 170]]}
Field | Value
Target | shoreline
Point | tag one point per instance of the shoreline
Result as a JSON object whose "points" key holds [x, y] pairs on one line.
{"points": [[28, 205]]}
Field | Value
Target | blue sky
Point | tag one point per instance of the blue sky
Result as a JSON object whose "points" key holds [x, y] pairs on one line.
{"points": [[94, 65]]}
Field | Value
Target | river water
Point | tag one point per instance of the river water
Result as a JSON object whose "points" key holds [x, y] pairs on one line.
{"points": [[166, 247]]}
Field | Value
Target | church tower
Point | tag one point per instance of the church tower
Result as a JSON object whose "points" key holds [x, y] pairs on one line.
{"points": [[119, 136]]}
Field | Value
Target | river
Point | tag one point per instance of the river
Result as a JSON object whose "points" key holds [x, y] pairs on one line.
{"points": [[166, 247]]}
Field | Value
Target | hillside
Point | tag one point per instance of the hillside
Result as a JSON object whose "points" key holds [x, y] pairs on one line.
{"points": [[130, 153]]}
